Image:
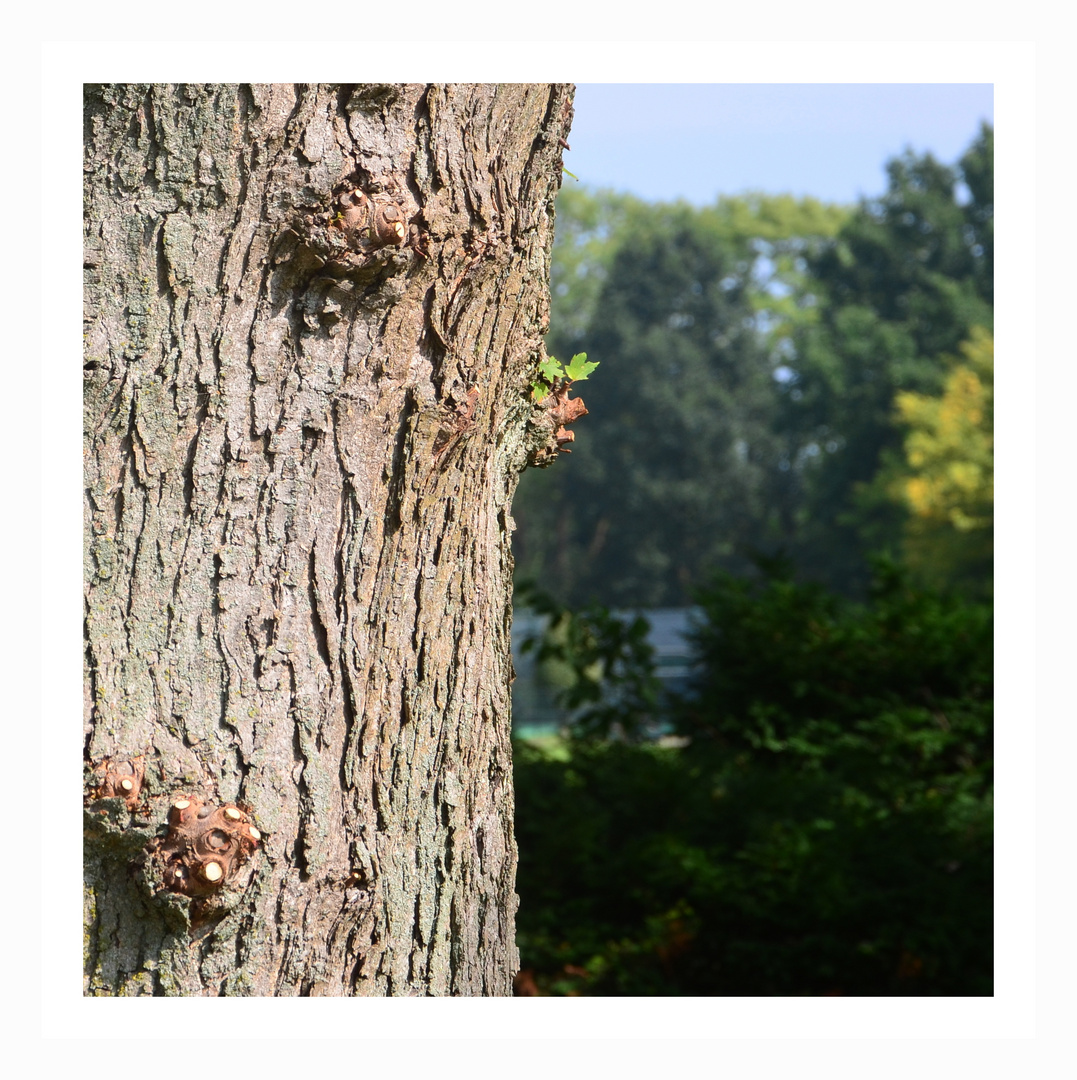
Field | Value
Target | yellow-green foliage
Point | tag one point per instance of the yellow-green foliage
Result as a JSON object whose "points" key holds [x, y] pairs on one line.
{"points": [[947, 482]]}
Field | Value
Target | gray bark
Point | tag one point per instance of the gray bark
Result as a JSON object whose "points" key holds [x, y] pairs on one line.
{"points": [[299, 464]]}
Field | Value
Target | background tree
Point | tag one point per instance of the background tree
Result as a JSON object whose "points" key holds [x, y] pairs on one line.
{"points": [[682, 307], [312, 315], [901, 286], [752, 353], [946, 476]]}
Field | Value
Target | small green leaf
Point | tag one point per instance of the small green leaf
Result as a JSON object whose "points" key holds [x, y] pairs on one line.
{"points": [[579, 367], [538, 391], [572, 174], [551, 369]]}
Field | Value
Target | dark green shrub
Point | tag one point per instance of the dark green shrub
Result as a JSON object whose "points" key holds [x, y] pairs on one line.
{"points": [[827, 829]]}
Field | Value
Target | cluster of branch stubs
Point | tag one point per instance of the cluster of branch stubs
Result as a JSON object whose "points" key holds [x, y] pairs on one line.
{"points": [[205, 845], [561, 411], [120, 779], [363, 223]]}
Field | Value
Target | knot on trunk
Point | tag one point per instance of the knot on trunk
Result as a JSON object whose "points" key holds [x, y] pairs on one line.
{"points": [[362, 231], [549, 422], [120, 778], [204, 847]]}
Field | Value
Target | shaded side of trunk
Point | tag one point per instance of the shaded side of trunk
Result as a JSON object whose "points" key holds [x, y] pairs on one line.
{"points": [[298, 476]]}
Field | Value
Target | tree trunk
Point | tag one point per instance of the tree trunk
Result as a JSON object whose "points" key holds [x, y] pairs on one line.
{"points": [[312, 317]]}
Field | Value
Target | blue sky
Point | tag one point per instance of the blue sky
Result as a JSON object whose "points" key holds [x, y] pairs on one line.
{"points": [[698, 140]]}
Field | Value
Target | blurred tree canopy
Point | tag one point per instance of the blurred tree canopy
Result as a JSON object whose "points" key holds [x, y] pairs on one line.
{"points": [[752, 356], [678, 470], [903, 284]]}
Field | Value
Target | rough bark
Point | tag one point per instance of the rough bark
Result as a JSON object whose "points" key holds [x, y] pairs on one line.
{"points": [[298, 474]]}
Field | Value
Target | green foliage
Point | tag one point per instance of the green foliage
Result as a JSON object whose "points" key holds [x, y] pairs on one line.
{"points": [[977, 170], [826, 829], [587, 226], [781, 659], [580, 367], [946, 476], [605, 665], [770, 236], [817, 815], [552, 371], [755, 351], [677, 469], [901, 287]]}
